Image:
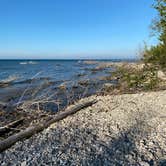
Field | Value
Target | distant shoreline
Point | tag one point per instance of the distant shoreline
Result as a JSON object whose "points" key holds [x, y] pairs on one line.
{"points": [[86, 59]]}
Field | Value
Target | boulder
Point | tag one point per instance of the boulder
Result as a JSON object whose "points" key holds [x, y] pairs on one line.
{"points": [[108, 86], [161, 75]]}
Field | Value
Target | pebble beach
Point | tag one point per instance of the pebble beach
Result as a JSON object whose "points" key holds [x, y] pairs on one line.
{"points": [[127, 129]]}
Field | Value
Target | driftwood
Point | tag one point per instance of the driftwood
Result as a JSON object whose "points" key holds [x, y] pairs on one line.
{"points": [[7, 128], [39, 127], [2, 106]]}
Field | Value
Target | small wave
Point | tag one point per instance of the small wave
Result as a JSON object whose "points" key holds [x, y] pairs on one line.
{"points": [[29, 62], [32, 62], [23, 63]]}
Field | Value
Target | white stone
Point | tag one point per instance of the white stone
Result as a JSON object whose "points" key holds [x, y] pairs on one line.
{"points": [[23, 163], [161, 75], [142, 163]]}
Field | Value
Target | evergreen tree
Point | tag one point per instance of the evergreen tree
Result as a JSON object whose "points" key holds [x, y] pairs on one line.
{"points": [[157, 54]]}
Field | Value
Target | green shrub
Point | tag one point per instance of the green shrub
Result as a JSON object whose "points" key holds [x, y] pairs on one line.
{"points": [[144, 79], [157, 54]]}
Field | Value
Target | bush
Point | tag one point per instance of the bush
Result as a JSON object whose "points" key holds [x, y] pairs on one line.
{"points": [[144, 79], [156, 55]]}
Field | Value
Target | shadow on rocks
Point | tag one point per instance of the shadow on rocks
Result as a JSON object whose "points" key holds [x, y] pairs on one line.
{"points": [[85, 147], [79, 144]]}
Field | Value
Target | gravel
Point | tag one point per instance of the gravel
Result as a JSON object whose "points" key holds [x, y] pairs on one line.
{"points": [[127, 129]]}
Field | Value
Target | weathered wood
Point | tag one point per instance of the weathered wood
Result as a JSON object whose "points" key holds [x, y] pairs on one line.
{"points": [[39, 127], [7, 128], [2, 104]]}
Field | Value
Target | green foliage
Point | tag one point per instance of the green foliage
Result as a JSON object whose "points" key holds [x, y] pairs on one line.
{"points": [[144, 79], [160, 23], [157, 54]]}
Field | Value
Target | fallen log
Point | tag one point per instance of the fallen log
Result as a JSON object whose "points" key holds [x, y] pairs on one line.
{"points": [[7, 128], [2, 104], [39, 127]]}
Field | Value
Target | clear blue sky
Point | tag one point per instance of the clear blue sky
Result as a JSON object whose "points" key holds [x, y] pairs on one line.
{"points": [[73, 28]]}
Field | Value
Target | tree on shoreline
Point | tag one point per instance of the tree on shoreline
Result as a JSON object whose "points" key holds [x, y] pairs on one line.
{"points": [[157, 54]]}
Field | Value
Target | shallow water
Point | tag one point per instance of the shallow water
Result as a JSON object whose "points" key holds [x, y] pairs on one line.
{"points": [[53, 69], [47, 76]]}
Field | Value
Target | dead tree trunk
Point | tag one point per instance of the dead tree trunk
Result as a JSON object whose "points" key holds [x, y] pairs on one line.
{"points": [[39, 127], [8, 127]]}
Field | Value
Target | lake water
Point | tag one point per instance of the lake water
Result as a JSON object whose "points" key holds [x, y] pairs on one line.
{"points": [[41, 76], [53, 69]]}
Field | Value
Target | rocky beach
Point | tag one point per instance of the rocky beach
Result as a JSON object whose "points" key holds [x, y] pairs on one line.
{"points": [[126, 125], [83, 83], [128, 129]]}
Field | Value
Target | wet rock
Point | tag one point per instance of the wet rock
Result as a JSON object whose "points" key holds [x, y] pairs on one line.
{"points": [[96, 69], [90, 62], [84, 82], [62, 86], [49, 106], [75, 87], [4, 85], [109, 86], [80, 74]]}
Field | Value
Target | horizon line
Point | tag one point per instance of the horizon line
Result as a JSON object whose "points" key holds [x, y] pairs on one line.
{"points": [[136, 58]]}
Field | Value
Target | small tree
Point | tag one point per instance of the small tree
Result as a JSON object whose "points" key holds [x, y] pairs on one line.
{"points": [[157, 54], [160, 23]]}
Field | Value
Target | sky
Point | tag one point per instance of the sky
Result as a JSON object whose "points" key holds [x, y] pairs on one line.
{"points": [[72, 29]]}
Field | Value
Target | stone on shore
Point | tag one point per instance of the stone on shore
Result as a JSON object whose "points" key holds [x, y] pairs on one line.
{"points": [[128, 129], [161, 75]]}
